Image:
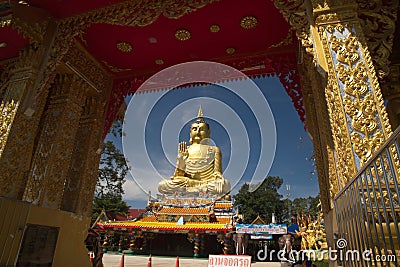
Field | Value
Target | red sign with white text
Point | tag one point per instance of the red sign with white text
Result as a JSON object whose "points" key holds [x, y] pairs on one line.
{"points": [[229, 261]]}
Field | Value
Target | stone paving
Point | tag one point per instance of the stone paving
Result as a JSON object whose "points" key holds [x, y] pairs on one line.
{"points": [[113, 260]]}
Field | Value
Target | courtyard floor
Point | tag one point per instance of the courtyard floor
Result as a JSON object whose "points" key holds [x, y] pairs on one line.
{"points": [[113, 260]]}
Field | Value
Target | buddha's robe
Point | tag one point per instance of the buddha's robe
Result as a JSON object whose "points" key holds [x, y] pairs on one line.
{"points": [[201, 171]]}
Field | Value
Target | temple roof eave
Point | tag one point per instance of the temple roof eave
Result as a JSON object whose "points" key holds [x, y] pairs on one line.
{"points": [[167, 226]]}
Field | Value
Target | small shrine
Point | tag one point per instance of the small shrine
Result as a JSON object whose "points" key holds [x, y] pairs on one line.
{"points": [[173, 229]]}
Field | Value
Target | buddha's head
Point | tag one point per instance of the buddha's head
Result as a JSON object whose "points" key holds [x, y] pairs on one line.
{"points": [[199, 130]]}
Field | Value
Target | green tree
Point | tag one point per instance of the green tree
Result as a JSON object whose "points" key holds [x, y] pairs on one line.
{"points": [[109, 203], [263, 202], [112, 171], [111, 177], [308, 206]]}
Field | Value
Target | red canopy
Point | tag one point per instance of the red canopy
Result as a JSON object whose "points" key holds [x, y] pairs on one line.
{"points": [[251, 36]]}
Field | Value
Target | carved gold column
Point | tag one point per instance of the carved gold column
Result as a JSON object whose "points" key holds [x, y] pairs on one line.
{"points": [[319, 129], [24, 95], [318, 126], [379, 20], [82, 175], [357, 115], [53, 153], [17, 126]]}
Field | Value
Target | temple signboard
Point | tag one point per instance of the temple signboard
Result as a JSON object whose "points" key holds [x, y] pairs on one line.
{"points": [[262, 229], [261, 237], [229, 261]]}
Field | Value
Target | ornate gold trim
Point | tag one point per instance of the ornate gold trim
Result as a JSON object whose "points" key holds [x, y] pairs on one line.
{"points": [[358, 118], [8, 111], [378, 23], [296, 14], [134, 13], [286, 41], [86, 67], [113, 68], [34, 31], [55, 144], [310, 92]]}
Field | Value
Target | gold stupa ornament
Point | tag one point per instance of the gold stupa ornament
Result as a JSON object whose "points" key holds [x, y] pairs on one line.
{"points": [[182, 35], [124, 47], [248, 22]]}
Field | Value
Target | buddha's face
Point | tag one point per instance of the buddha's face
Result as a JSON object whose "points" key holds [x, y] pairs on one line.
{"points": [[198, 131]]}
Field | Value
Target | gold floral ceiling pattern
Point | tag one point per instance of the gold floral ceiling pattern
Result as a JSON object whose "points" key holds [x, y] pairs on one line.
{"points": [[248, 22], [215, 28], [182, 35], [124, 47]]}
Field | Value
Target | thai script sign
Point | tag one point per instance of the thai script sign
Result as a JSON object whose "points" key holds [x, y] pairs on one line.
{"points": [[262, 229], [229, 261]]}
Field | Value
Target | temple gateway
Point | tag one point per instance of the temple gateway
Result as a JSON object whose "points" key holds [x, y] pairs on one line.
{"points": [[67, 66]]}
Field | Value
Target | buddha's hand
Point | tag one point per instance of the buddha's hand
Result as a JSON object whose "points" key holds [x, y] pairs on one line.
{"points": [[183, 154], [219, 182]]}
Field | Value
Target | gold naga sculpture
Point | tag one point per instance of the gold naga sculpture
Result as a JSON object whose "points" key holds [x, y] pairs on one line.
{"points": [[198, 167]]}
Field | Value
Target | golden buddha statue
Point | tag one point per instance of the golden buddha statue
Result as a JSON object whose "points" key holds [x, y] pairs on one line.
{"points": [[198, 168]]}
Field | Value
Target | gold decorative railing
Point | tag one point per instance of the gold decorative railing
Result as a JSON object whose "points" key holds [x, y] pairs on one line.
{"points": [[368, 210]]}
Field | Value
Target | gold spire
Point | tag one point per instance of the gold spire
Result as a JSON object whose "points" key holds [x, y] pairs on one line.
{"points": [[200, 114]]}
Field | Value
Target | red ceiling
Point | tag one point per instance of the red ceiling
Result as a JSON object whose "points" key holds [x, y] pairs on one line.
{"points": [[253, 47], [13, 42], [101, 40]]}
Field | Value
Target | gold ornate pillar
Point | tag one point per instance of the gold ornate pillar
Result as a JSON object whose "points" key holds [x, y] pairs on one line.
{"points": [[24, 92], [357, 115], [82, 175], [17, 126], [53, 153], [318, 127], [379, 22], [313, 85]]}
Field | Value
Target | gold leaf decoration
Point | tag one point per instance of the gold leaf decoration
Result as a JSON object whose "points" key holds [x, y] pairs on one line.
{"points": [[182, 35], [215, 28], [286, 41], [248, 22], [159, 61], [5, 21], [124, 47], [230, 50], [113, 68]]}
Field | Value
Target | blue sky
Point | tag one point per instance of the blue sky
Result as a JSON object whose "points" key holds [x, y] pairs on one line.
{"points": [[257, 129]]}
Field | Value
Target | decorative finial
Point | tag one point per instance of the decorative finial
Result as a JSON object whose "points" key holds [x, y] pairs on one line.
{"points": [[200, 114], [200, 118]]}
